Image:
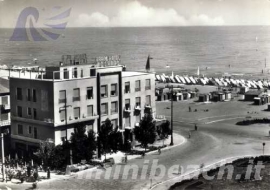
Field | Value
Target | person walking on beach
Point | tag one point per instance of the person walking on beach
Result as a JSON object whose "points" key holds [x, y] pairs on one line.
{"points": [[159, 151], [189, 134], [195, 127]]}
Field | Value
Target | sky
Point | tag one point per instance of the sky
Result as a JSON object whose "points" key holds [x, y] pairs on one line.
{"points": [[139, 13]]}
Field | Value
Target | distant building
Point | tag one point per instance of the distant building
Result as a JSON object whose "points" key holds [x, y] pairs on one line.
{"points": [[50, 106], [4, 105]]}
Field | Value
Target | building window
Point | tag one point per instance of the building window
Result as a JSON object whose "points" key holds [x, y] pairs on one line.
{"points": [[28, 94], [62, 96], [104, 109], [147, 84], [19, 111], [114, 90], [63, 135], [34, 95], [90, 110], [138, 118], [76, 94], [29, 111], [62, 115], [114, 107], [127, 87], [75, 73], [35, 113], [137, 85], [66, 74], [92, 72], [127, 104], [81, 73], [89, 93], [35, 132], [148, 100], [114, 122], [4, 100], [19, 94], [103, 91], [76, 113], [29, 130], [20, 129], [127, 122], [138, 101]]}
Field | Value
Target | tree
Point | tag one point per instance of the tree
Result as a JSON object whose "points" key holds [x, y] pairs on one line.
{"points": [[146, 132], [104, 136], [165, 130], [91, 144], [60, 157], [115, 140], [82, 145], [45, 152]]}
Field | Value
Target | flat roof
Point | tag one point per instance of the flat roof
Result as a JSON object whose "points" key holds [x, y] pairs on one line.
{"points": [[133, 73], [253, 92]]}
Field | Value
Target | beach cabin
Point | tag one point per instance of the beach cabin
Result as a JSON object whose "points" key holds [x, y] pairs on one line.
{"points": [[204, 98], [192, 80], [251, 94], [177, 79]]}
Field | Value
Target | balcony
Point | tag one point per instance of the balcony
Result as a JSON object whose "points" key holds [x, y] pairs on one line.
{"points": [[137, 89], [76, 99], [61, 101], [137, 108], [4, 123], [5, 107], [90, 97], [127, 90], [147, 108], [127, 109]]}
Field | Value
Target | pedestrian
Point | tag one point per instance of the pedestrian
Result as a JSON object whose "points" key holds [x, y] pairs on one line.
{"points": [[189, 109], [196, 127], [189, 134], [125, 158], [269, 133], [143, 154], [48, 173], [159, 151]]}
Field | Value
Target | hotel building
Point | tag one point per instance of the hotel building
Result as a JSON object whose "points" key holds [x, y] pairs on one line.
{"points": [[75, 93], [4, 105]]}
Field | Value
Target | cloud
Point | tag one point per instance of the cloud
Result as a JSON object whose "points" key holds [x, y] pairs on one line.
{"points": [[134, 14]]}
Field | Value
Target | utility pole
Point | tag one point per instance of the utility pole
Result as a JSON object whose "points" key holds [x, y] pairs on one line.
{"points": [[171, 115], [3, 158]]}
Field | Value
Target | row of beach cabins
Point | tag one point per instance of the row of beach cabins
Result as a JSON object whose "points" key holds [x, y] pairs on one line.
{"points": [[223, 82]]}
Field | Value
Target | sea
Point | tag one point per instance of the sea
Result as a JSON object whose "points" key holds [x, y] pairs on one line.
{"points": [[242, 51]]}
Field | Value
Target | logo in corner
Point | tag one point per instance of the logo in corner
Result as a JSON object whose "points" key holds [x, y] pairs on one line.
{"points": [[46, 31]]}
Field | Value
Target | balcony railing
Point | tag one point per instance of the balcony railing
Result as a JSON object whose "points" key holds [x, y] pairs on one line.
{"points": [[148, 88], [127, 109], [137, 89], [138, 108], [76, 99], [127, 91], [148, 106], [4, 123], [113, 111], [89, 97]]}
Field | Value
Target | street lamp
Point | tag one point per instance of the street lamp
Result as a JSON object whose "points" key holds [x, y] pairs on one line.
{"points": [[66, 124], [171, 115], [263, 147], [3, 155]]}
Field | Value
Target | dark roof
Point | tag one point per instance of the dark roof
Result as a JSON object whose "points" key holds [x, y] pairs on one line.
{"points": [[254, 92]]}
